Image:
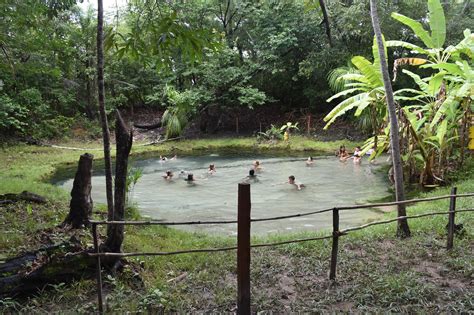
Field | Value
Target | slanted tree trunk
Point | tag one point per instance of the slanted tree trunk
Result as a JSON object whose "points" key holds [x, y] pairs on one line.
{"points": [[103, 115], [124, 138], [324, 10], [81, 204], [402, 229]]}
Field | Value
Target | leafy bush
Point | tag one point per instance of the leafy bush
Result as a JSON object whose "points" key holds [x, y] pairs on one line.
{"points": [[33, 101], [57, 127], [12, 115]]}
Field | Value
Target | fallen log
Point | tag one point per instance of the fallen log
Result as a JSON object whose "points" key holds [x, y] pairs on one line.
{"points": [[23, 196], [31, 271]]}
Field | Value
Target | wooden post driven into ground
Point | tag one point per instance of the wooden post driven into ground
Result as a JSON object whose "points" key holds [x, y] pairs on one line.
{"points": [[451, 225], [243, 249], [335, 242], [99, 271]]}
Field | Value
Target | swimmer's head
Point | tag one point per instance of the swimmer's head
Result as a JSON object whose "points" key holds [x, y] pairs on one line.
{"points": [[190, 177], [291, 179], [252, 173], [310, 158], [169, 173], [257, 162], [211, 166]]}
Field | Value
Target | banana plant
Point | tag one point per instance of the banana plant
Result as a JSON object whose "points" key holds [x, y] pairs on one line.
{"points": [[362, 90], [428, 138], [434, 39], [287, 129]]}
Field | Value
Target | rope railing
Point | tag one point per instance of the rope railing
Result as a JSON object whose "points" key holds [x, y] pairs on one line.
{"points": [[244, 243], [352, 207], [223, 249]]}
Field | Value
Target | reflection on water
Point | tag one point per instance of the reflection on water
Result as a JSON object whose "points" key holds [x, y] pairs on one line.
{"points": [[214, 197]]}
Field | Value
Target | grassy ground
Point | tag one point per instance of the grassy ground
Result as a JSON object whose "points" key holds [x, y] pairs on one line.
{"points": [[376, 271]]}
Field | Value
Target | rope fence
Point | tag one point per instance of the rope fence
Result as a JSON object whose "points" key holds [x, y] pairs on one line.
{"points": [[364, 206], [244, 244]]}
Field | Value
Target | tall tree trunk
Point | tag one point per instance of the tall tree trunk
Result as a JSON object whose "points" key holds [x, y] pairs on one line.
{"points": [[103, 115], [81, 204], [402, 228], [124, 138], [322, 4]]}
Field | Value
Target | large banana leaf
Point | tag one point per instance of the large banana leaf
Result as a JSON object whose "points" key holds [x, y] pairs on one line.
{"points": [[375, 52], [371, 72], [345, 106], [434, 82], [412, 47], [343, 93], [437, 23], [449, 67], [449, 102], [417, 28], [421, 84]]}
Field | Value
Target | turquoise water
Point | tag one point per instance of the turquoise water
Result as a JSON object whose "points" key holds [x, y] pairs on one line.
{"points": [[328, 183]]}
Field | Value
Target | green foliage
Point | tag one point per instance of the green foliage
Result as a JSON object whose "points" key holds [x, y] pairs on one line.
{"points": [[271, 134], [12, 115], [182, 105], [57, 127], [133, 176]]}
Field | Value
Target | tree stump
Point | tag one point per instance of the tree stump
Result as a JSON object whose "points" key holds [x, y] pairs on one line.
{"points": [[81, 204], [124, 139]]}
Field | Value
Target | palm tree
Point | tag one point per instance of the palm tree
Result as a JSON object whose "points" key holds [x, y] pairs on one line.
{"points": [[402, 228]]}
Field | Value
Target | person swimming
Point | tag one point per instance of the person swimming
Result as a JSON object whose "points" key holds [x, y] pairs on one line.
{"points": [[310, 161], [251, 177], [292, 181], [183, 174], [168, 175], [357, 155], [190, 179], [257, 166], [212, 169], [342, 154]]}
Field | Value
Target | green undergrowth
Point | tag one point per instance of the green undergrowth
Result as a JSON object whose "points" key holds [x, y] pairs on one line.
{"points": [[377, 272]]}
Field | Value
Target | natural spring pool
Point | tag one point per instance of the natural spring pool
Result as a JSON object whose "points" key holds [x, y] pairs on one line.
{"points": [[214, 197]]}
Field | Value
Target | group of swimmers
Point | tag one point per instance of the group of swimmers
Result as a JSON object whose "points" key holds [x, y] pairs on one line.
{"points": [[356, 156], [257, 168]]}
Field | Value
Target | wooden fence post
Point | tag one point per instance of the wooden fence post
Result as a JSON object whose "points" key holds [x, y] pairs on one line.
{"points": [[451, 225], [99, 271], [243, 249], [335, 242]]}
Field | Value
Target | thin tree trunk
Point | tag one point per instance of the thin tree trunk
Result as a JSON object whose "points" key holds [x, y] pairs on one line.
{"points": [[103, 115], [402, 229], [124, 138], [322, 4]]}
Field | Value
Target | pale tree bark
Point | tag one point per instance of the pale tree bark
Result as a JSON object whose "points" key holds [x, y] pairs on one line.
{"points": [[103, 115], [402, 229]]}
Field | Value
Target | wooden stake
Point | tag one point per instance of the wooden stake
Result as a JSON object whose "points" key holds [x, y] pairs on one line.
{"points": [[243, 249], [451, 225], [99, 271], [335, 242]]}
